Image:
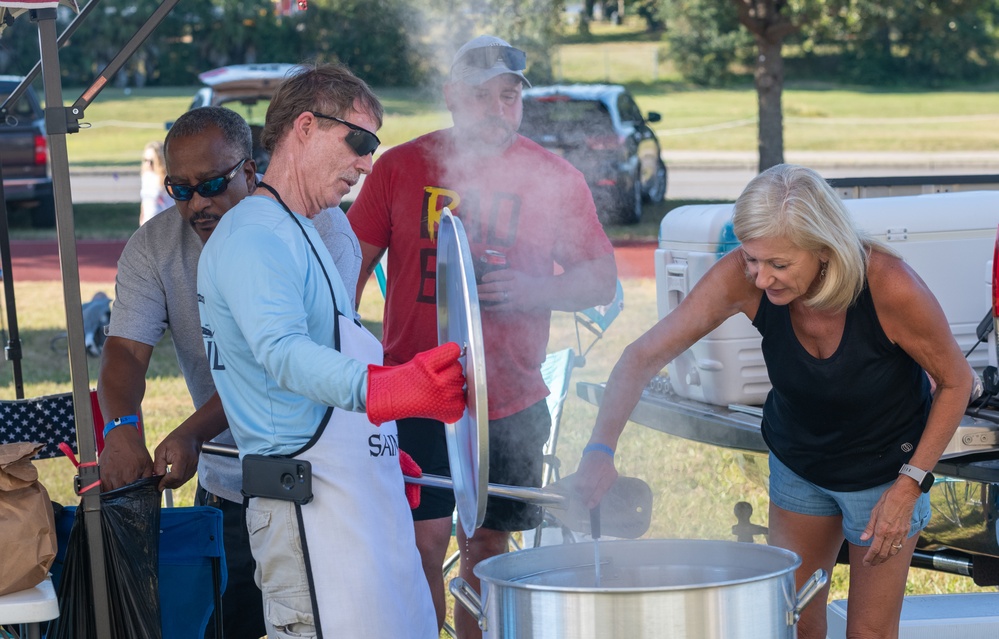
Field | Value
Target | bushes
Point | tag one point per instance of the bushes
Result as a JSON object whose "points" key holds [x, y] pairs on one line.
{"points": [[370, 37]]}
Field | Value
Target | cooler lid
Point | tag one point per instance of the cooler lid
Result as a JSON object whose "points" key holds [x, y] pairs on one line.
{"points": [[700, 227], [949, 213]]}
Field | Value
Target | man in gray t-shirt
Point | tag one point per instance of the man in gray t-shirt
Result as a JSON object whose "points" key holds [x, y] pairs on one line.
{"points": [[209, 171]]}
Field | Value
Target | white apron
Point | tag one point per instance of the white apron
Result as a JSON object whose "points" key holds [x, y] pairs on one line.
{"points": [[364, 568]]}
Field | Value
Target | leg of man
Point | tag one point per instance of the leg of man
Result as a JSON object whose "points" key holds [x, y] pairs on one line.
{"points": [[484, 544], [516, 458], [432, 539], [281, 573], [242, 605], [426, 443]]}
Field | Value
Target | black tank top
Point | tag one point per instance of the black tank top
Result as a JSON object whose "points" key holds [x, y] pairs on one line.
{"points": [[847, 422]]}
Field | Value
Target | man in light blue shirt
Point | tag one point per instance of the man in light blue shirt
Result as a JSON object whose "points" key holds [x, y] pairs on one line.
{"points": [[300, 380]]}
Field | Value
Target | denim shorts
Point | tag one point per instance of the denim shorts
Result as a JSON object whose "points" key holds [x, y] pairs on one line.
{"points": [[797, 495]]}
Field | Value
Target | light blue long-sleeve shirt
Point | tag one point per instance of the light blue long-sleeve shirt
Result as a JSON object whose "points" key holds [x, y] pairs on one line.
{"points": [[268, 323]]}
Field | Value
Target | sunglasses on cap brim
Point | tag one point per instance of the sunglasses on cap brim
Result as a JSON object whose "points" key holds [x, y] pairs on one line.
{"points": [[209, 188], [363, 142], [486, 57]]}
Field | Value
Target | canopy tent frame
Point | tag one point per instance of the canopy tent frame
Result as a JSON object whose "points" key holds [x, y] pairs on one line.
{"points": [[60, 121]]}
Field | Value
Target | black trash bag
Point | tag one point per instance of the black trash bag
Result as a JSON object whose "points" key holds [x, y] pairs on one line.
{"points": [[130, 524]]}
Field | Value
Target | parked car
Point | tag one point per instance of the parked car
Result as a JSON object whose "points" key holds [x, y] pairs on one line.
{"points": [[24, 154], [247, 89], [601, 131]]}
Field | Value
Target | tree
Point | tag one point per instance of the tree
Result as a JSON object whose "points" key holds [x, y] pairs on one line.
{"points": [[926, 42], [705, 39], [530, 25], [770, 23]]}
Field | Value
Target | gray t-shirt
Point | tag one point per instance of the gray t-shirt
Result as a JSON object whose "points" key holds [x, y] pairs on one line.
{"points": [[156, 289]]}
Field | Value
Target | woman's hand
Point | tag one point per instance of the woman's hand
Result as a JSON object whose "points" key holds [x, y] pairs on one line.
{"points": [[890, 522], [594, 477]]}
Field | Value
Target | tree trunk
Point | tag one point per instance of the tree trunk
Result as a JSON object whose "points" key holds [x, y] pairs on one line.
{"points": [[769, 80], [585, 16]]}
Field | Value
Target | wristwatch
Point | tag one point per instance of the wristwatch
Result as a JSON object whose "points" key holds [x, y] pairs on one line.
{"points": [[923, 477]]}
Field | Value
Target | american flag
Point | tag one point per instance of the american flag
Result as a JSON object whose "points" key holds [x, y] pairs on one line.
{"points": [[45, 420]]}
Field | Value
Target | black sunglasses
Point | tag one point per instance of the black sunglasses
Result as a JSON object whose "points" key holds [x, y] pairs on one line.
{"points": [[486, 57], [363, 142], [209, 188]]}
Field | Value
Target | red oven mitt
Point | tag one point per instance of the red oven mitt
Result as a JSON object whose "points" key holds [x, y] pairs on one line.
{"points": [[410, 469], [431, 385]]}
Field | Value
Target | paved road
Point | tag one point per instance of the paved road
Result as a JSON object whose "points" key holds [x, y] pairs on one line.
{"points": [[693, 175]]}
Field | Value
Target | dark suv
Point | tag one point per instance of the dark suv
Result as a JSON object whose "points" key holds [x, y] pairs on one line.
{"points": [[601, 131], [24, 154]]}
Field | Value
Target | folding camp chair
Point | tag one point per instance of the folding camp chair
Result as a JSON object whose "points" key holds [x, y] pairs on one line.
{"points": [[48, 420], [192, 569], [192, 561], [557, 371]]}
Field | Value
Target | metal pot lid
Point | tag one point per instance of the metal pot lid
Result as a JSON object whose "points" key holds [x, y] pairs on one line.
{"points": [[458, 321]]}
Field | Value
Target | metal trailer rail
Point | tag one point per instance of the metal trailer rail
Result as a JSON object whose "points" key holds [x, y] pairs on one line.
{"points": [[853, 188]]}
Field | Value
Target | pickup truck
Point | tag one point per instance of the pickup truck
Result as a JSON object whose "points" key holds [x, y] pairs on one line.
{"points": [[27, 182], [945, 228]]}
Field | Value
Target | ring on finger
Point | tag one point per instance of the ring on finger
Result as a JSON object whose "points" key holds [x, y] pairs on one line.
{"points": [[897, 546]]}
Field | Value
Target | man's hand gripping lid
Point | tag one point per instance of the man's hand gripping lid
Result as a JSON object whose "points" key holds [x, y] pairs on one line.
{"points": [[431, 385]]}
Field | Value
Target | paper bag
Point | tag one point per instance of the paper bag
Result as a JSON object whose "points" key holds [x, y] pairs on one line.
{"points": [[27, 522]]}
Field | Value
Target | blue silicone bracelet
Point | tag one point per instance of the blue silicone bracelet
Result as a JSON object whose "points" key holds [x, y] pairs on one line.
{"points": [[118, 421], [600, 448]]}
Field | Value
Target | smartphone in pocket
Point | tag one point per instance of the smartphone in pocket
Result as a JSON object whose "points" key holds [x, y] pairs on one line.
{"points": [[277, 478]]}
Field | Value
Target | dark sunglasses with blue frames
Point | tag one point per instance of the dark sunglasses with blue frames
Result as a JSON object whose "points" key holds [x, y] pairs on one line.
{"points": [[362, 141], [209, 188]]}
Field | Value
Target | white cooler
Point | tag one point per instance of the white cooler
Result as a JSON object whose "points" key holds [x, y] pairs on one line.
{"points": [[947, 238], [959, 616]]}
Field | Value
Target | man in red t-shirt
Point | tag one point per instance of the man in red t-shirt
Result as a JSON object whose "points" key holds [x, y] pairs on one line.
{"points": [[513, 197]]}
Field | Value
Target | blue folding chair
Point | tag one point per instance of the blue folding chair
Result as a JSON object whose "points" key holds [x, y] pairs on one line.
{"points": [[192, 569]]}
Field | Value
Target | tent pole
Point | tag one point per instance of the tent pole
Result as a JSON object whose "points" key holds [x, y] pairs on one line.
{"points": [[12, 351], [89, 473]]}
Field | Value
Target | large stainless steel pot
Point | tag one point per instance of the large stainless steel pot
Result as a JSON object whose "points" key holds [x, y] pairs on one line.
{"points": [[653, 588]]}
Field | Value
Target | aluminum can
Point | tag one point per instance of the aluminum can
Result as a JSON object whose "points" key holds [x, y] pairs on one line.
{"points": [[488, 262]]}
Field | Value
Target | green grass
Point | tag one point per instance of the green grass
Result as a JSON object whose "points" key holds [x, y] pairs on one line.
{"points": [[818, 116], [652, 215], [816, 119], [91, 221], [830, 119]]}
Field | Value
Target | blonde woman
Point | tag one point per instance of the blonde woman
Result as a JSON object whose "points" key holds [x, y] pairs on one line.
{"points": [[152, 193], [852, 424]]}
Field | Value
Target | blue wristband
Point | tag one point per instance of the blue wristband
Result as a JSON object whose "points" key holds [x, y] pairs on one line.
{"points": [[598, 448], [118, 421]]}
